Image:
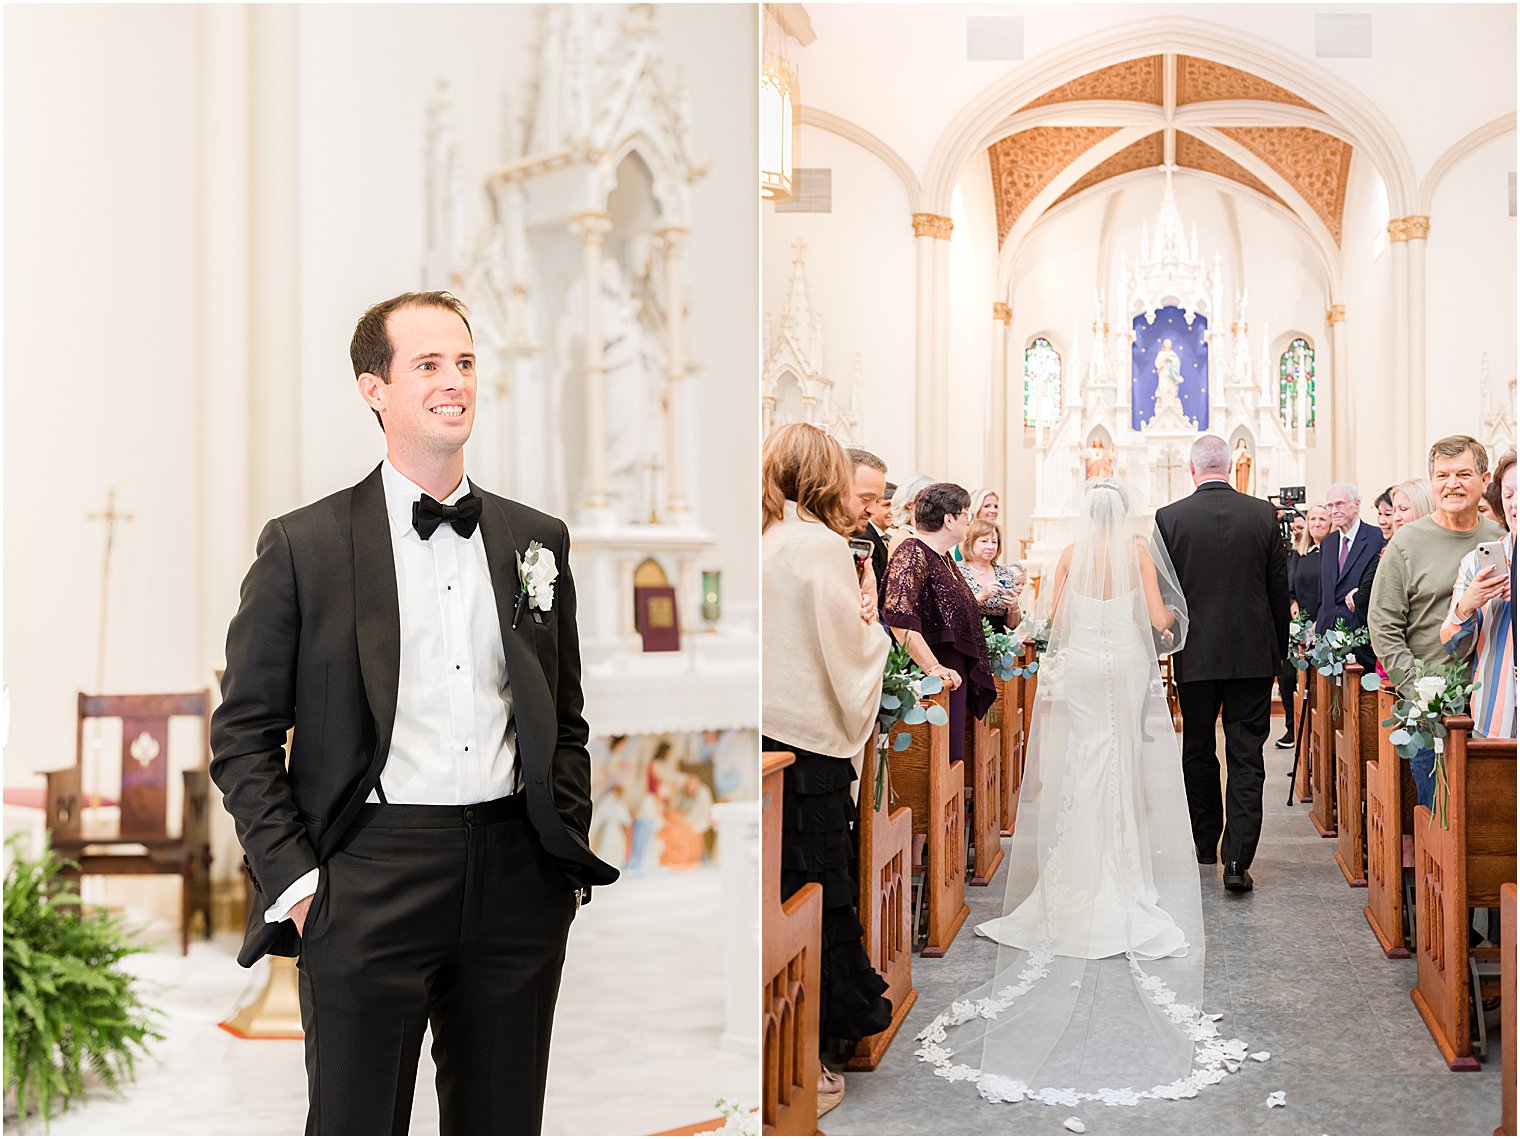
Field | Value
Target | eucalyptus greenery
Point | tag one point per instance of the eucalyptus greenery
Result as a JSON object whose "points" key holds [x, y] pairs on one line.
{"points": [[903, 685], [1003, 651], [1300, 639], [1418, 721], [69, 1006]]}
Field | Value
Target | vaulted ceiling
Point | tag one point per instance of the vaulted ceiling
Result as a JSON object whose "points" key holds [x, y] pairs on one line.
{"points": [[1175, 110]]}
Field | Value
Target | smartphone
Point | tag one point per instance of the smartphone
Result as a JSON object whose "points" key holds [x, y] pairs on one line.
{"points": [[1491, 556], [862, 549]]}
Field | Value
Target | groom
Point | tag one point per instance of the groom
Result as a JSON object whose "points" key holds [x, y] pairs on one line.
{"points": [[1234, 573], [425, 848]]}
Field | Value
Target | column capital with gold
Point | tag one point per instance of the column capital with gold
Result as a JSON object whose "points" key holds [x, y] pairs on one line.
{"points": [[1336, 314], [1415, 227], [932, 225], [1002, 311]]}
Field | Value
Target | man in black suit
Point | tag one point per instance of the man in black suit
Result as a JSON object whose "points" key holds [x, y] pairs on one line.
{"points": [[869, 490], [425, 848], [1234, 573], [1350, 547]]}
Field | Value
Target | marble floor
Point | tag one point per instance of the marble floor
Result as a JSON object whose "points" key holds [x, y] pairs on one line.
{"points": [[635, 1043], [1295, 971]]}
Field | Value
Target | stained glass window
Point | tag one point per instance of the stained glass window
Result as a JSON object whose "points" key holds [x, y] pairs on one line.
{"points": [[1295, 372], [1042, 384]]}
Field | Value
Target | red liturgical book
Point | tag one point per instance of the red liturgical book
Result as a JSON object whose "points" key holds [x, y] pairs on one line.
{"points": [[655, 617]]}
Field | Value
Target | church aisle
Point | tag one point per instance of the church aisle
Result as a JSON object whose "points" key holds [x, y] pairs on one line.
{"points": [[1295, 971], [635, 1042]]}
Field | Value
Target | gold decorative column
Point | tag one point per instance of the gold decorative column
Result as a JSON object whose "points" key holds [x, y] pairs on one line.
{"points": [[931, 351], [1416, 230], [1343, 442], [995, 462], [1404, 414], [676, 370], [592, 229]]}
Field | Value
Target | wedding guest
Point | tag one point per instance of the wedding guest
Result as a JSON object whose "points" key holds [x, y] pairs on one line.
{"points": [[1412, 591], [881, 513], [984, 508], [931, 603], [1480, 625], [1020, 581], [992, 585], [1384, 506], [869, 487], [1351, 545], [822, 657], [1411, 500], [902, 509], [1491, 506], [1309, 531]]}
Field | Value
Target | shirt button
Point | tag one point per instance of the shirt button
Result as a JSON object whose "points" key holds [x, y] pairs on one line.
{"points": [[456, 668], [466, 747]]}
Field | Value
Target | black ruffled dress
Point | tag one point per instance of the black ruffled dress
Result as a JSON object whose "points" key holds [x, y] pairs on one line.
{"points": [[818, 845]]}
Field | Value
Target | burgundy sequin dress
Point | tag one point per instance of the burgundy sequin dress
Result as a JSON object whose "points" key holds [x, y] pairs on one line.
{"points": [[926, 592]]}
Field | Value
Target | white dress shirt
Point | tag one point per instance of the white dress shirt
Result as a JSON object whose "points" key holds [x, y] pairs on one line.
{"points": [[453, 740]]}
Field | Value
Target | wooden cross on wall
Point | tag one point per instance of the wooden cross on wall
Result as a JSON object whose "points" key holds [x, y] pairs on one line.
{"points": [[110, 517]]}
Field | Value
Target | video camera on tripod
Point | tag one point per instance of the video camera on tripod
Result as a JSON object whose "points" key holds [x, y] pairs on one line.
{"points": [[1288, 501]]}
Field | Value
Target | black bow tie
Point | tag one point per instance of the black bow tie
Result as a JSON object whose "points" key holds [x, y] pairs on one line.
{"points": [[428, 513]]}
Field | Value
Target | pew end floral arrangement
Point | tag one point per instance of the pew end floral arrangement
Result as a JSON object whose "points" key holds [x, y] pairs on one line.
{"points": [[1003, 651], [903, 687], [1331, 651], [1418, 721]]}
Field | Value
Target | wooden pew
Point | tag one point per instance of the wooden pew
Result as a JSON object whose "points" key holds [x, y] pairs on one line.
{"points": [[984, 748], [1455, 868], [1008, 715], [1029, 686], [792, 960], [885, 843], [1390, 817], [1322, 754], [923, 779], [1355, 744], [1303, 723], [1507, 1004]]}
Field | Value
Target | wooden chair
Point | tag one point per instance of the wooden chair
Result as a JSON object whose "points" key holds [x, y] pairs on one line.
{"points": [[1355, 744], [1008, 714], [790, 1000], [1455, 868], [1303, 696], [923, 779], [1322, 730], [1390, 820], [984, 748], [1507, 1005], [885, 843], [141, 838]]}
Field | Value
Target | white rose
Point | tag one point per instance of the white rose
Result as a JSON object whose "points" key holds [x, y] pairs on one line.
{"points": [[543, 570], [1429, 687], [543, 598]]}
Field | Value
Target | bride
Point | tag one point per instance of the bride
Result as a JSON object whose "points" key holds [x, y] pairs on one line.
{"points": [[1096, 994]]}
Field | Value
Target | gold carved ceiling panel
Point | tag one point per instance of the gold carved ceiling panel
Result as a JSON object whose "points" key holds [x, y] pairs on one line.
{"points": [[1201, 156], [1023, 164], [1204, 81], [1133, 81], [1147, 152], [1314, 163]]}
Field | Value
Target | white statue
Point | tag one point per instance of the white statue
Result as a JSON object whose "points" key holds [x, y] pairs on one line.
{"points": [[1168, 379]]}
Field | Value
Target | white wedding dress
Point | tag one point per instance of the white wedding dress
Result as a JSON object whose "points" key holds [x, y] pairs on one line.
{"points": [[1097, 990]]}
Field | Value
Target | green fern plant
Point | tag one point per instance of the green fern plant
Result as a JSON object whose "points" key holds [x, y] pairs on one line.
{"points": [[69, 1006]]}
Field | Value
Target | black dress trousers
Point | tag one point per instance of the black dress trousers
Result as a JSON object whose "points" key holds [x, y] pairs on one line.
{"points": [[452, 917], [1247, 708]]}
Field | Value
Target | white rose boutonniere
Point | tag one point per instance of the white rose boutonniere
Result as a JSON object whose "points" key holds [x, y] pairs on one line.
{"points": [[536, 574]]}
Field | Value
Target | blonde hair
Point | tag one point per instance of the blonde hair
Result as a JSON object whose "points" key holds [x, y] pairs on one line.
{"points": [[1418, 490], [1304, 542], [801, 463], [979, 499], [978, 528], [907, 494]]}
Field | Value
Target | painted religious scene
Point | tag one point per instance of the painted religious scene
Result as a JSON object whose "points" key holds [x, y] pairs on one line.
{"points": [[581, 178], [1159, 342]]}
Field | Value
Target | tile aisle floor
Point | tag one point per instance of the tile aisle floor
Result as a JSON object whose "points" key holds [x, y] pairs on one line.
{"points": [[1296, 971], [635, 1044]]}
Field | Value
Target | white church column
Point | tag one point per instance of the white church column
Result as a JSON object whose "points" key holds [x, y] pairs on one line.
{"points": [[1403, 412], [1417, 229], [996, 464], [1343, 439], [678, 455], [227, 527], [932, 348], [593, 229]]}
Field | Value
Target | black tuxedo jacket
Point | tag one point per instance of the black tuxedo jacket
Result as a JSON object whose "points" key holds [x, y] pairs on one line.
{"points": [[878, 562], [1335, 580], [1234, 573], [316, 645]]}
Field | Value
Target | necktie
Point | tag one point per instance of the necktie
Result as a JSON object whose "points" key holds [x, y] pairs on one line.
{"points": [[1345, 549], [428, 513]]}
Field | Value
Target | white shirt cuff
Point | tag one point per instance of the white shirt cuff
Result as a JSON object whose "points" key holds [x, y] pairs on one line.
{"points": [[303, 887]]}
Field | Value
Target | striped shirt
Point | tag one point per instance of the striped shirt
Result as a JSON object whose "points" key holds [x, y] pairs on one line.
{"points": [[1487, 638]]}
